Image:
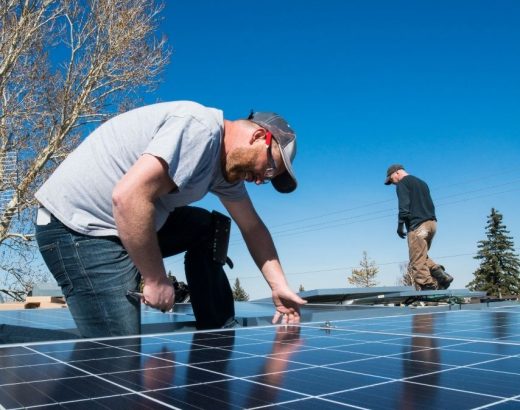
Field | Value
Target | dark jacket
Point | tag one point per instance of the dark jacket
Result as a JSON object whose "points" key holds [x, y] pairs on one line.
{"points": [[415, 202]]}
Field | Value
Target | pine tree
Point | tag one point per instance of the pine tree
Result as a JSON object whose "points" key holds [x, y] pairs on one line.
{"points": [[239, 294], [365, 276], [499, 270], [170, 276], [302, 289]]}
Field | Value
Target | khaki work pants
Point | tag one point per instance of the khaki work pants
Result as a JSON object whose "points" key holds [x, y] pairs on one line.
{"points": [[419, 242]]}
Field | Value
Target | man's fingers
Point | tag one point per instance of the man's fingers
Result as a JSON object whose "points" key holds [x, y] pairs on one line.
{"points": [[293, 318], [163, 307], [279, 315], [276, 317], [286, 318]]}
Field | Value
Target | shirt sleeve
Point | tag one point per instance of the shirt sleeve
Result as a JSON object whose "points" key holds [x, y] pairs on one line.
{"points": [[187, 146], [403, 196]]}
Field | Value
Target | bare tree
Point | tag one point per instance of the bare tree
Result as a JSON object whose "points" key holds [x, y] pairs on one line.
{"points": [[366, 274], [405, 277], [64, 66]]}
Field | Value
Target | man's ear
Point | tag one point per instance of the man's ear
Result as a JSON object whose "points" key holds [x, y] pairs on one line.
{"points": [[259, 133]]}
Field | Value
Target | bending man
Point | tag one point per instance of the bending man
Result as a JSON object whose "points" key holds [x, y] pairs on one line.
{"points": [[119, 203]]}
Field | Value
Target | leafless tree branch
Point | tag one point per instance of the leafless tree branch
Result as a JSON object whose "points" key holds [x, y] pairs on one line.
{"points": [[64, 65]]}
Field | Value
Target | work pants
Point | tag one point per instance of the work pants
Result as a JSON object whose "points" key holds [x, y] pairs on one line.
{"points": [[419, 242], [95, 274]]}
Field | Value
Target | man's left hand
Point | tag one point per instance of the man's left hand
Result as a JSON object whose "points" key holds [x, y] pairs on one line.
{"points": [[400, 231], [287, 304]]}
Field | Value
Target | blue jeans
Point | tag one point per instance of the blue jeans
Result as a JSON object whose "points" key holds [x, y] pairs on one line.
{"points": [[94, 274]]}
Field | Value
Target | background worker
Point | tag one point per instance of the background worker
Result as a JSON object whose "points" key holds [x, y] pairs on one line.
{"points": [[417, 213], [119, 203]]}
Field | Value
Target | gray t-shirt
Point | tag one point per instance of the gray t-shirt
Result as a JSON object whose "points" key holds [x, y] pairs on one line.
{"points": [[185, 134]]}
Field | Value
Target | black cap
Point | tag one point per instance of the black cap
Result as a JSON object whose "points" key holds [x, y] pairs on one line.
{"points": [[286, 139], [391, 169]]}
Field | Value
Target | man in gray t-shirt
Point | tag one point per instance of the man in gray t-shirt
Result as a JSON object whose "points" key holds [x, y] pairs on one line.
{"points": [[118, 204]]}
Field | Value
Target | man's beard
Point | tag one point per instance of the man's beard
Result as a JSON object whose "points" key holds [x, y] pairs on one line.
{"points": [[238, 162]]}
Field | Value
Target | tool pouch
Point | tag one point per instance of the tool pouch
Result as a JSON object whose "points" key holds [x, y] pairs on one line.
{"points": [[221, 232]]}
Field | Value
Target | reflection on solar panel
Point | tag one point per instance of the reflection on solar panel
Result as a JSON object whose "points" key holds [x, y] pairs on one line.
{"points": [[416, 359], [21, 326]]}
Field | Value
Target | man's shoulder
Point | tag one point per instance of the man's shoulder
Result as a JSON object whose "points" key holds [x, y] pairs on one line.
{"points": [[207, 116], [408, 183], [412, 179], [180, 109], [412, 183]]}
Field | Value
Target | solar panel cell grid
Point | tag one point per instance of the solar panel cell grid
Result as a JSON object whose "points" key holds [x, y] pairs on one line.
{"points": [[467, 359]]}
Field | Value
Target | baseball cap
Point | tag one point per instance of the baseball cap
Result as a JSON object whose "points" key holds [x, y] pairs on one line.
{"points": [[391, 169], [286, 139]]}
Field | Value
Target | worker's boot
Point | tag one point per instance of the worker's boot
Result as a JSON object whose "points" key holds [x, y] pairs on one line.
{"points": [[444, 279], [428, 286]]}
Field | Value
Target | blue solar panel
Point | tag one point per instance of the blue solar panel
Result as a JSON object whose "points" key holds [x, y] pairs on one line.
{"points": [[463, 359], [22, 326]]}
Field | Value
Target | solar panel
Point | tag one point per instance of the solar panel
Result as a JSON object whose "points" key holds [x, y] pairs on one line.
{"points": [[26, 325], [341, 295], [395, 358], [384, 294], [408, 297]]}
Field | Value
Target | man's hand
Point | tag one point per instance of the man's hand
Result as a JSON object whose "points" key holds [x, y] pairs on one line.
{"points": [[400, 230], [133, 205], [159, 294], [261, 248], [287, 304]]}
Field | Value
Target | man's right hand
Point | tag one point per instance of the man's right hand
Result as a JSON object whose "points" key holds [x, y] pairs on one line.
{"points": [[400, 231], [287, 304], [159, 294]]}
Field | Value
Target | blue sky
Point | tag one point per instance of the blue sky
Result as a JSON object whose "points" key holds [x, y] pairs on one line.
{"points": [[433, 85]]}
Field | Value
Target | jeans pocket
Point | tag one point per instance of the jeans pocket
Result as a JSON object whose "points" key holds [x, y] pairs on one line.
{"points": [[105, 264], [52, 257]]}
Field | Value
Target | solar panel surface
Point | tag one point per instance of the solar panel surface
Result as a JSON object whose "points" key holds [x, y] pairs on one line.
{"points": [[463, 359], [27, 325]]}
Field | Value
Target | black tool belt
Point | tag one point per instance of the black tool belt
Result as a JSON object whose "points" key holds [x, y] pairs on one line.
{"points": [[221, 232]]}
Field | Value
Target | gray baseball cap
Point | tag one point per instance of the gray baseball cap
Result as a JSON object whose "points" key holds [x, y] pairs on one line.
{"points": [[286, 139]]}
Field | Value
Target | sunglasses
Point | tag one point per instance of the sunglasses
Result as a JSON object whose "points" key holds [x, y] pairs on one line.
{"points": [[271, 169]]}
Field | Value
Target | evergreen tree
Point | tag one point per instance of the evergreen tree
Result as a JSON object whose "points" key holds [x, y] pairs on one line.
{"points": [[170, 276], [302, 289], [499, 270], [239, 294], [365, 276]]}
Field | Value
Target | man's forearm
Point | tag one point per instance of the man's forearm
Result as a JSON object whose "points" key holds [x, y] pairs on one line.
{"points": [[135, 224], [263, 251]]}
